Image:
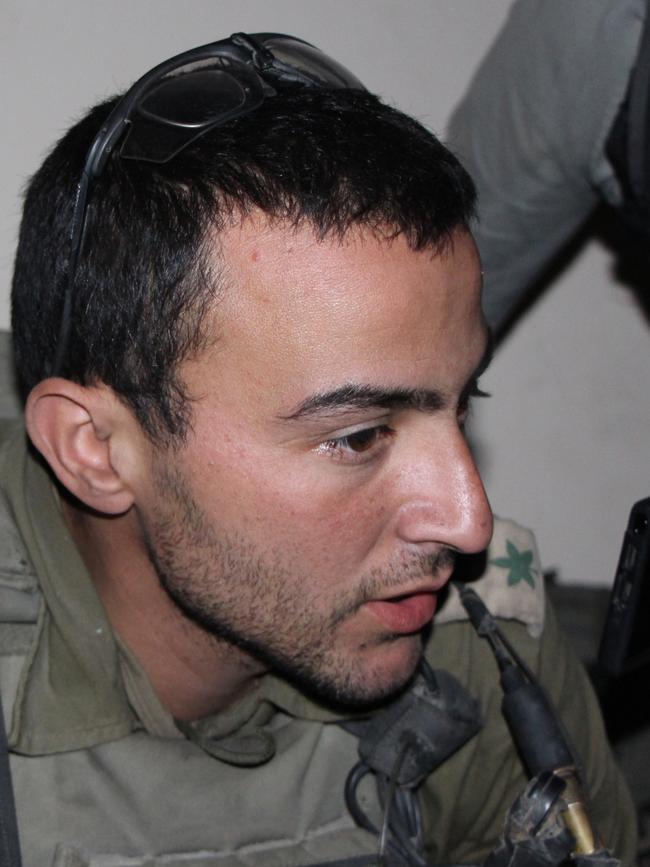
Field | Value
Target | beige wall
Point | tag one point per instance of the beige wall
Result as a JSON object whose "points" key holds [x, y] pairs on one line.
{"points": [[563, 442]]}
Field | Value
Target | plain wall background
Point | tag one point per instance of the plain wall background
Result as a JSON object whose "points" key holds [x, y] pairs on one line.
{"points": [[563, 442]]}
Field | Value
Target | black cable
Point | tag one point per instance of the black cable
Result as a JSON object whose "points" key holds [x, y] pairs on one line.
{"points": [[392, 785], [401, 814], [487, 628], [358, 772]]}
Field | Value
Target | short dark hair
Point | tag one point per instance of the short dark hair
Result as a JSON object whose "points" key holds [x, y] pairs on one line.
{"points": [[328, 159]]}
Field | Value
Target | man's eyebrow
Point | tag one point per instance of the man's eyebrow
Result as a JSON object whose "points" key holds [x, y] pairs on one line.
{"points": [[356, 396], [362, 396]]}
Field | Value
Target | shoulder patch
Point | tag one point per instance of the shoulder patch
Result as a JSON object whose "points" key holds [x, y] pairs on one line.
{"points": [[511, 583]]}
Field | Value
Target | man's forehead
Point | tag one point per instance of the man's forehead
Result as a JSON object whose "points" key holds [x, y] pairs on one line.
{"points": [[258, 255], [301, 315]]}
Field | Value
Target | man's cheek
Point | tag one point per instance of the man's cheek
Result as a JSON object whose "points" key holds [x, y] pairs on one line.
{"points": [[361, 518]]}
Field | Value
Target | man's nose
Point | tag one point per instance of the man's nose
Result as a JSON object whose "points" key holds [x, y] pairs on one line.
{"points": [[443, 498]]}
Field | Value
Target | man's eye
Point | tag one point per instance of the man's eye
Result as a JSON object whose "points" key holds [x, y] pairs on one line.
{"points": [[359, 444], [361, 441]]}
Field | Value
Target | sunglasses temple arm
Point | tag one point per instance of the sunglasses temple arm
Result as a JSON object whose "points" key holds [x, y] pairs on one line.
{"points": [[76, 241]]}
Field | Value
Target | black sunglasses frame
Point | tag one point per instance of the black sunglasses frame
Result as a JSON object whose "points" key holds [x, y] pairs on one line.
{"points": [[248, 60]]}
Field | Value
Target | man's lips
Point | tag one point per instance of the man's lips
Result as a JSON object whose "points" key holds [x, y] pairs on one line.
{"points": [[405, 614]]}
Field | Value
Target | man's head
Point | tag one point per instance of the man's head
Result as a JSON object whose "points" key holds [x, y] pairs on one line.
{"points": [[327, 158], [274, 339]]}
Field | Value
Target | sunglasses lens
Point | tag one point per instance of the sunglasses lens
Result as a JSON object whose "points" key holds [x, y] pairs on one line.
{"points": [[180, 108], [311, 62], [194, 99], [222, 84]]}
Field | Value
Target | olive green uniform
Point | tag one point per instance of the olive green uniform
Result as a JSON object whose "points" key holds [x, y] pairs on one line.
{"points": [[104, 776]]}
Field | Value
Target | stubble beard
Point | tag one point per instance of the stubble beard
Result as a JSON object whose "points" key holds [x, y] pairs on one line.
{"points": [[251, 600]]}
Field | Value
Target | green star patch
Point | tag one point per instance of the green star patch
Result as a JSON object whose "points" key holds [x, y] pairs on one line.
{"points": [[518, 563]]}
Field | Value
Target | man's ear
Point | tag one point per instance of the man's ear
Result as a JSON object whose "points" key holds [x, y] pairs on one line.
{"points": [[82, 432]]}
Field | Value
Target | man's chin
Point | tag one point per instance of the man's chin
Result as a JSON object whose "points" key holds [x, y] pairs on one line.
{"points": [[375, 677]]}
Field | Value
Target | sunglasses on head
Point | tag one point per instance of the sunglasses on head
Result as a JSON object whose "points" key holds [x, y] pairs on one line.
{"points": [[185, 97]]}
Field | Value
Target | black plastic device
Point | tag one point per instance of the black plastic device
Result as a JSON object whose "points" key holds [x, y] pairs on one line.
{"points": [[625, 642]]}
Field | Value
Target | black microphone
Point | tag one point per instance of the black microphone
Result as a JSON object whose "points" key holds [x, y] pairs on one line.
{"points": [[534, 724]]}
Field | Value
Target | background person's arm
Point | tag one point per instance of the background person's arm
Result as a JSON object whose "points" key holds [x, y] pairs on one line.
{"points": [[532, 128]]}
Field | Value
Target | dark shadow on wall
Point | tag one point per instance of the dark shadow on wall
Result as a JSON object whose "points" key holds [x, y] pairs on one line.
{"points": [[630, 268]]}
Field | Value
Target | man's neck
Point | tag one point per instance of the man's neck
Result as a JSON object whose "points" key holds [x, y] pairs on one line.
{"points": [[193, 673]]}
